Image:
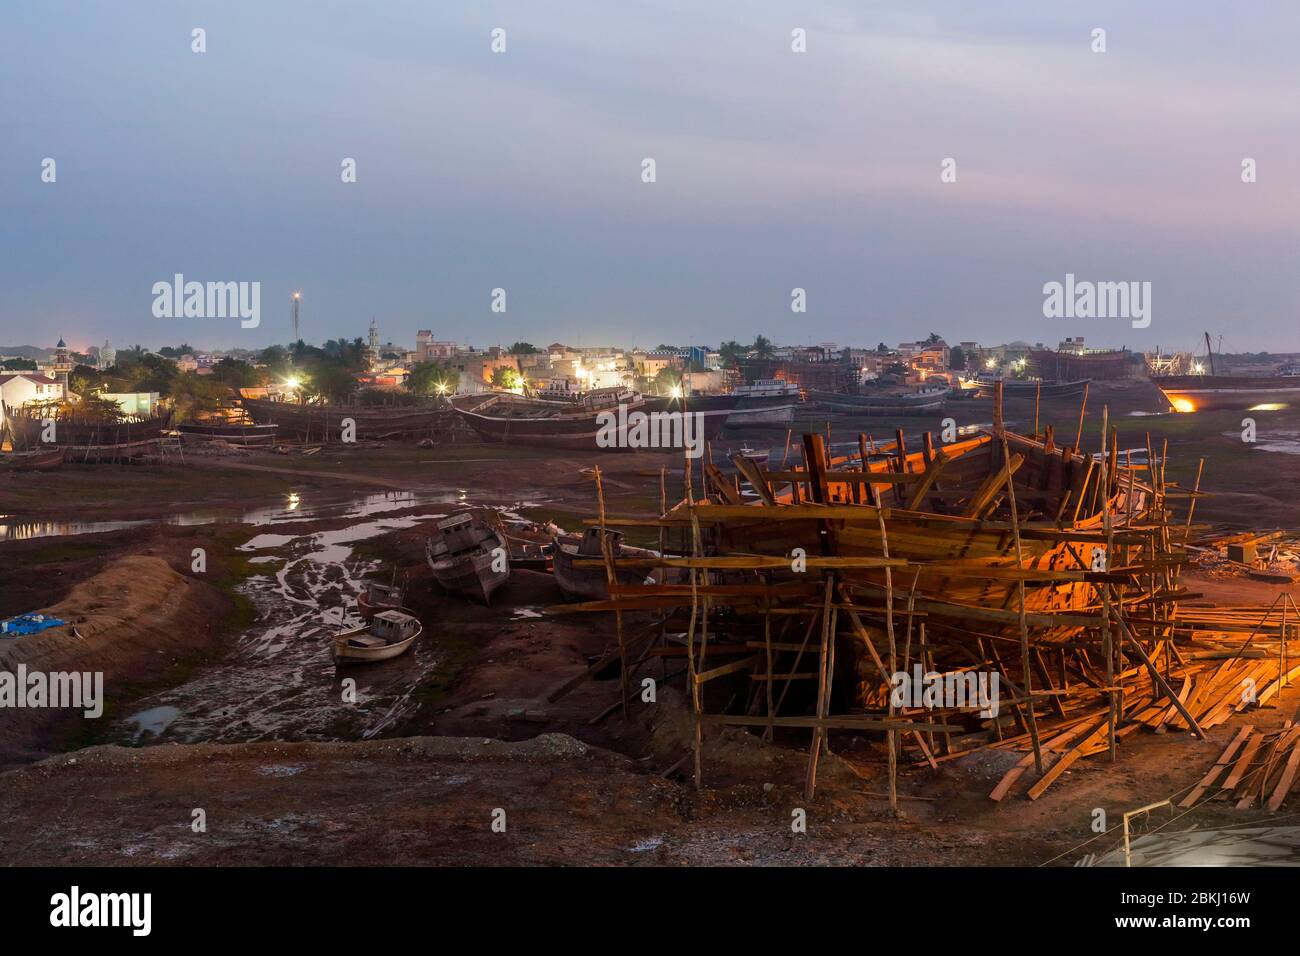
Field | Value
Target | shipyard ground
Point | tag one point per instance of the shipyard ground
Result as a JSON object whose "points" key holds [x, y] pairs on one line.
{"points": [[577, 784]]}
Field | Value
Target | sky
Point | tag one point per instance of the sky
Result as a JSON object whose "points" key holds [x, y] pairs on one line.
{"points": [[775, 170]]}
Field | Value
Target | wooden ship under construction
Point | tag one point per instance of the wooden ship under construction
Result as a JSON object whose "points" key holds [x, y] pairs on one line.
{"points": [[816, 591], [318, 422], [84, 433]]}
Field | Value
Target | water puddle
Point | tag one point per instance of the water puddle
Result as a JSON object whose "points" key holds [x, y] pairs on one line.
{"points": [[289, 510], [279, 682]]}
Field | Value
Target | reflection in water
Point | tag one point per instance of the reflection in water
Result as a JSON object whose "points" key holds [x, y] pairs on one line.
{"points": [[15, 528]]}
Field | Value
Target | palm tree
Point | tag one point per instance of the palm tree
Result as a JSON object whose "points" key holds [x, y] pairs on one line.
{"points": [[762, 347], [731, 352]]}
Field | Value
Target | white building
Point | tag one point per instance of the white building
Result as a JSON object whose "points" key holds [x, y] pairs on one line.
{"points": [[19, 388]]}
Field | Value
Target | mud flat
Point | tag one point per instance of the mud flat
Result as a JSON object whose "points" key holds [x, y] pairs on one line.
{"points": [[131, 621]]}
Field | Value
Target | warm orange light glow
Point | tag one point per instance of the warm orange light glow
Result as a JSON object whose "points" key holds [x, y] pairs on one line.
{"points": [[1182, 404], [1267, 407]]}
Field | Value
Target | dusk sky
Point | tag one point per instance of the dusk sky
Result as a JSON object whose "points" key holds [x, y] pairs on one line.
{"points": [[775, 169]]}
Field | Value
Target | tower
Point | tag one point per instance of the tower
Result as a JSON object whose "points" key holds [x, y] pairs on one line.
{"points": [[62, 367], [373, 350], [297, 297]]}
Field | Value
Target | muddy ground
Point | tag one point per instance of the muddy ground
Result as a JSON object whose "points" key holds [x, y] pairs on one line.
{"points": [[246, 721]]}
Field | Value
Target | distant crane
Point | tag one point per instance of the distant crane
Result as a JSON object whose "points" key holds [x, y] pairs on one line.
{"points": [[296, 298]]}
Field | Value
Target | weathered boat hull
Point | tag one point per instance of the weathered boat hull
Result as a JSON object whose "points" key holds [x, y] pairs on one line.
{"points": [[1205, 393], [782, 414], [325, 422], [474, 571], [196, 432], [916, 403], [1032, 389], [29, 432], [589, 584], [345, 653]]}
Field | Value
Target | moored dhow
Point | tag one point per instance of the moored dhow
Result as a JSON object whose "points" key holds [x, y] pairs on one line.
{"points": [[600, 420]]}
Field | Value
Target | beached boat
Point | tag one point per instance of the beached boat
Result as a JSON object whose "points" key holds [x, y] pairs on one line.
{"points": [[236, 433], [378, 597], [598, 421], [714, 410], [1215, 391], [84, 435], [468, 557], [592, 583], [31, 460], [767, 402], [314, 422], [1029, 389], [884, 401], [389, 635]]}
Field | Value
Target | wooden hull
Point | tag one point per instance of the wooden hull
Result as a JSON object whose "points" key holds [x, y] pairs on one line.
{"points": [[470, 575], [344, 653], [762, 415], [28, 433], [1044, 480], [234, 434], [868, 404], [367, 610], [325, 422], [32, 461], [1032, 389], [589, 584], [1204, 393]]}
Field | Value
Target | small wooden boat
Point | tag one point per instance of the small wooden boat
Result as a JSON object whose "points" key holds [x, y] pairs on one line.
{"points": [[236, 433], [32, 460], [380, 597], [754, 455], [389, 635], [592, 583], [468, 557]]}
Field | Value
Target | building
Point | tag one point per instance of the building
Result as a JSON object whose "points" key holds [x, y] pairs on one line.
{"points": [[427, 349], [20, 388]]}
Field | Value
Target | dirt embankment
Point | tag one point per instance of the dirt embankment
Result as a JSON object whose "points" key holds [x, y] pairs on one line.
{"points": [[132, 621]]}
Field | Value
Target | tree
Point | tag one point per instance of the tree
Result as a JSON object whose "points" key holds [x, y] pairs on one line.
{"points": [[83, 379], [957, 359], [331, 381], [762, 347], [506, 378], [934, 338], [18, 365], [168, 351], [193, 394], [432, 378], [731, 352], [522, 348], [666, 379], [882, 348], [235, 373]]}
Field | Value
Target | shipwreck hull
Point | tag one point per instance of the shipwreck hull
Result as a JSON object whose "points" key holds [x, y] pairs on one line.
{"points": [[325, 422]]}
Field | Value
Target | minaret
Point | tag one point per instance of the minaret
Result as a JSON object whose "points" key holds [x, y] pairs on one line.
{"points": [[62, 364], [374, 345]]}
